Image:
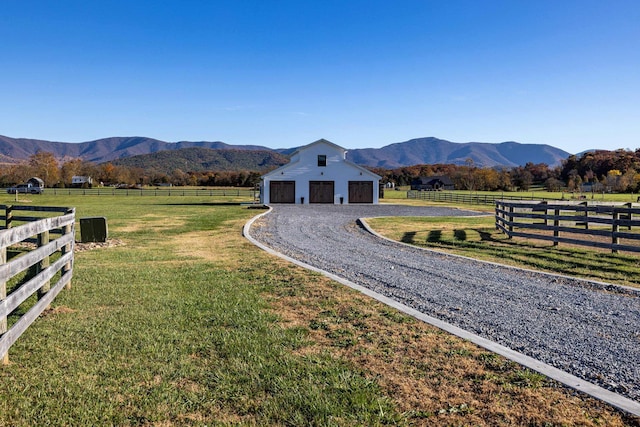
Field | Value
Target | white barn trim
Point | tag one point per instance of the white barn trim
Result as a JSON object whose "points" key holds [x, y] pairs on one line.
{"points": [[320, 173]]}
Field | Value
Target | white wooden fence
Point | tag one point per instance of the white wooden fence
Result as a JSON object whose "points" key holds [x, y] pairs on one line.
{"points": [[29, 260]]}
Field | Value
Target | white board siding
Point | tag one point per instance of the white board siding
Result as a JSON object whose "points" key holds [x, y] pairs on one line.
{"points": [[304, 169]]}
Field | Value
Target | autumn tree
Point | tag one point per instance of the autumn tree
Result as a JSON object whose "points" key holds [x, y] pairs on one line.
{"points": [[522, 178], [505, 183], [106, 172], [44, 165], [553, 184], [15, 174], [69, 169], [178, 177]]}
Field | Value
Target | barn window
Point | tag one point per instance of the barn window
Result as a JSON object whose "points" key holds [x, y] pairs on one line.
{"points": [[322, 160]]}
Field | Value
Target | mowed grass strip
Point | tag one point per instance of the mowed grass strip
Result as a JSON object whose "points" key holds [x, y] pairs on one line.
{"points": [[186, 323], [477, 237]]}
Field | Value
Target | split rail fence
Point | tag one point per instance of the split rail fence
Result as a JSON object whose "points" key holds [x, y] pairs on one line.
{"points": [[248, 193], [613, 227], [35, 250], [466, 198]]}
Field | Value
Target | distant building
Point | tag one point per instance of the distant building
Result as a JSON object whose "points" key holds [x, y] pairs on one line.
{"points": [[36, 182], [320, 173], [593, 187], [81, 181], [432, 183]]}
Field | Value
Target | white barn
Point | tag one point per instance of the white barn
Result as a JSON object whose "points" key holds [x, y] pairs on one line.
{"points": [[320, 173]]}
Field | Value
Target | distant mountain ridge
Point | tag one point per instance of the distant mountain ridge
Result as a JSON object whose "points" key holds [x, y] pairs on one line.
{"points": [[106, 149], [428, 150], [433, 150]]}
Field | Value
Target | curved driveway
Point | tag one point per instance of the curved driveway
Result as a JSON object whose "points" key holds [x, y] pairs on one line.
{"points": [[588, 329]]}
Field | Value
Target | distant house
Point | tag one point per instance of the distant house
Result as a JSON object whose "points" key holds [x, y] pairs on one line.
{"points": [[593, 187], [320, 173], [81, 181], [432, 183], [36, 182]]}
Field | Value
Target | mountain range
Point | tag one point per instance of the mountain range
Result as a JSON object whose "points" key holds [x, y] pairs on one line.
{"points": [[416, 151], [198, 159]]}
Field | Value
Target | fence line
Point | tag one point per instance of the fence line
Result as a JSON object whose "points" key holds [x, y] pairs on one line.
{"points": [[30, 270], [473, 199], [249, 193], [587, 223]]}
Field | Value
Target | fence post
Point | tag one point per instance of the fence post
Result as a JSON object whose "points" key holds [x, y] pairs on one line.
{"points": [[4, 359], [510, 221], [628, 216], [8, 216], [586, 215], [68, 229], [615, 229], [43, 239], [556, 225], [545, 220]]}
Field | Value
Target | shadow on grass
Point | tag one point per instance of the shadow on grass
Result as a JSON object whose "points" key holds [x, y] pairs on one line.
{"points": [[460, 235], [561, 260], [434, 236], [408, 237]]}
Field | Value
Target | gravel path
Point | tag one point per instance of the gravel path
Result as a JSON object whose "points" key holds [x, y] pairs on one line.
{"points": [[588, 329]]}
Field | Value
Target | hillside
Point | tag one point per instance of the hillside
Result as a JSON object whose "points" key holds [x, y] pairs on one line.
{"points": [[413, 152], [433, 150], [205, 159], [106, 149]]}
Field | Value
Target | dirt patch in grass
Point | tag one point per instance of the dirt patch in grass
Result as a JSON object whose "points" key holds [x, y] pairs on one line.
{"points": [[57, 310], [434, 378], [89, 246], [151, 221], [220, 246]]}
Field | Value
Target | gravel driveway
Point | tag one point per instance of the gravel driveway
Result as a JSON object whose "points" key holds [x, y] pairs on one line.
{"points": [[588, 329]]}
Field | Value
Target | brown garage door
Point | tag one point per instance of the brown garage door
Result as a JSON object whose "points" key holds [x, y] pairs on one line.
{"points": [[320, 191], [360, 191], [282, 191]]}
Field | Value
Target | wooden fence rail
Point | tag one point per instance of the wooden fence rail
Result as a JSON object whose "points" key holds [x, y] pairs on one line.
{"points": [[467, 198], [249, 193], [30, 270], [613, 227]]}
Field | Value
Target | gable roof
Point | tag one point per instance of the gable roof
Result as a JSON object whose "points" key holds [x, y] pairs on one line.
{"points": [[295, 159], [320, 141]]}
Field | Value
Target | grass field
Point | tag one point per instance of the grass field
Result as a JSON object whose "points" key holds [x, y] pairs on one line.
{"points": [[183, 322], [477, 237], [401, 194]]}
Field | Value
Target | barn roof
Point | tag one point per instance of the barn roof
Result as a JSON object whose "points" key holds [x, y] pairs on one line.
{"points": [[320, 141], [295, 160]]}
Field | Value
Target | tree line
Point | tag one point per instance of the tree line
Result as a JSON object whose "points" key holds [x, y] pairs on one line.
{"points": [[59, 174], [599, 170]]}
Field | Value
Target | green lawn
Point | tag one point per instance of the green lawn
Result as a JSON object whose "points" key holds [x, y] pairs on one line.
{"points": [[154, 332], [401, 194], [184, 322]]}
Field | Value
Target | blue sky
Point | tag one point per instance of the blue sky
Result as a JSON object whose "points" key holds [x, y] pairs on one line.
{"points": [[283, 73]]}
